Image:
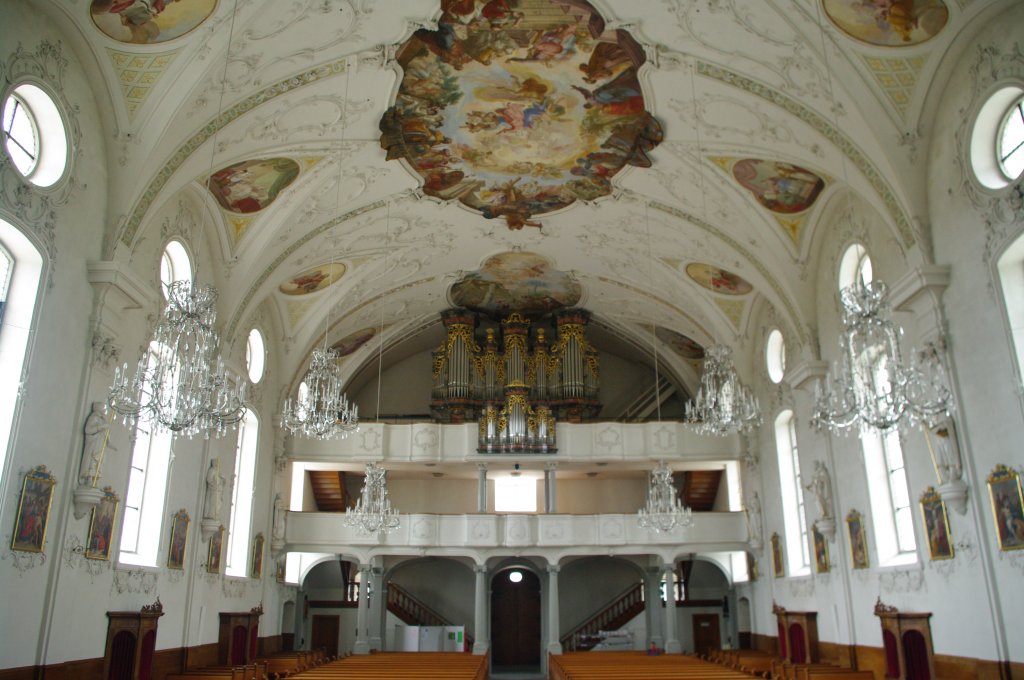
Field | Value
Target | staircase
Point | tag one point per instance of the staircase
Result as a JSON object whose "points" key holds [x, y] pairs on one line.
{"points": [[614, 615], [412, 612]]}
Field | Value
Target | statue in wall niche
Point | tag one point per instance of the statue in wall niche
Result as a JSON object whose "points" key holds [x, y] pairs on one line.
{"points": [[214, 486], [754, 528], [95, 442], [948, 463], [821, 485], [279, 510]]}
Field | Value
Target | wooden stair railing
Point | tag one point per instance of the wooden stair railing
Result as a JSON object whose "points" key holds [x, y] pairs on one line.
{"points": [[614, 615], [412, 612]]}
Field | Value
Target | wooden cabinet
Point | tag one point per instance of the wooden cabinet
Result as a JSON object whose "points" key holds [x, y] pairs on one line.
{"points": [[907, 640], [238, 640], [131, 641], [798, 635]]}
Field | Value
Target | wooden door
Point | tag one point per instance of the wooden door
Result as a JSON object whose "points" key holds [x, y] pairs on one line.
{"points": [[326, 629], [706, 633], [515, 620]]}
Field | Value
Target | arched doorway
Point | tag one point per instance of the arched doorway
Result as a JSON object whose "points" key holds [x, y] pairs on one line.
{"points": [[515, 621]]}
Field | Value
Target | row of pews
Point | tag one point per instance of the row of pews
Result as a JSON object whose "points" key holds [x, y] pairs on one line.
{"points": [[765, 665], [401, 666], [637, 666], [273, 667]]}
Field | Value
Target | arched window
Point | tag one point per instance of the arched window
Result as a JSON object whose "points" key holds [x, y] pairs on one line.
{"points": [[20, 273], [855, 266], [255, 355], [775, 356], [175, 265], [1011, 276], [34, 135], [792, 495], [242, 495], [891, 514]]}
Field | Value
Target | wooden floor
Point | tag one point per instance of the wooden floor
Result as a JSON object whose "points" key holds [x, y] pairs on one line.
{"points": [[401, 666], [637, 666]]}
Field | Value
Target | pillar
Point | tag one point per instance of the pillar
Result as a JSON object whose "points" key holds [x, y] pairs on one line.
{"points": [[377, 604], [550, 497], [554, 628], [672, 645], [652, 606], [362, 643], [481, 617], [481, 488]]}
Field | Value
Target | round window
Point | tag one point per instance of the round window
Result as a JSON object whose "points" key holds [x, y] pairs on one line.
{"points": [[775, 356], [34, 136], [1011, 142], [997, 140], [255, 355]]}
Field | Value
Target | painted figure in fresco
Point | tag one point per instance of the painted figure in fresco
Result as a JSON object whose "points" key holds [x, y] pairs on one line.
{"points": [[606, 61], [138, 16], [177, 554]]}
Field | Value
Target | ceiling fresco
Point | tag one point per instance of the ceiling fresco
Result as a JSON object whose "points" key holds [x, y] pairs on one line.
{"points": [[314, 279], [888, 23], [353, 341], [149, 21], [680, 344], [517, 109], [250, 186], [515, 282], [717, 280]]}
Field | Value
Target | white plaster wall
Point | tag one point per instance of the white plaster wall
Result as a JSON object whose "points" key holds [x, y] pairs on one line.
{"points": [[588, 584], [446, 586]]}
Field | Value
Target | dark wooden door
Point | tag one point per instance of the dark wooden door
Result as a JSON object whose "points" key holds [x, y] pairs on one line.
{"points": [[325, 633], [706, 633], [515, 620]]}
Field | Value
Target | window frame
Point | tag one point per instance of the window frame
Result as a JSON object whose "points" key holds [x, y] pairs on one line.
{"points": [[175, 260], [240, 522], [45, 113], [794, 512], [1016, 110], [775, 356], [250, 353], [893, 545]]}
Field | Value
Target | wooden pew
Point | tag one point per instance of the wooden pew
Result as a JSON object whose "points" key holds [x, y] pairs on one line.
{"points": [[637, 666], [833, 674], [400, 666]]}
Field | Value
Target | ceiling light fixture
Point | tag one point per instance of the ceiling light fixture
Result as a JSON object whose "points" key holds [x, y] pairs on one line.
{"points": [[723, 404], [664, 511]]}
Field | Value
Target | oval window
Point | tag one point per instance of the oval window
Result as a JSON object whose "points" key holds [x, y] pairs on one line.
{"points": [[775, 356], [255, 355], [34, 135], [997, 140]]}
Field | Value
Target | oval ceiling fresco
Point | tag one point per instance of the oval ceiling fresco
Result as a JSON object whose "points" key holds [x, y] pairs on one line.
{"points": [[353, 341], [250, 186], [717, 279], [681, 344], [888, 23], [149, 21], [519, 109], [781, 187], [314, 279], [515, 281]]}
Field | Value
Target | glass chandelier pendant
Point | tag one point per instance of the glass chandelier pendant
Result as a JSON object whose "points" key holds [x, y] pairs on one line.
{"points": [[664, 510], [321, 410], [373, 512], [723, 405], [871, 387], [180, 384]]}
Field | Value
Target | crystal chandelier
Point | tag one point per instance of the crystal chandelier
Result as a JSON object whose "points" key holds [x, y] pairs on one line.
{"points": [[373, 512], [664, 511], [723, 404], [180, 385], [872, 388], [321, 410]]}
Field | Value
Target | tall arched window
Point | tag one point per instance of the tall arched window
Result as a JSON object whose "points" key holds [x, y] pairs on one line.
{"points": [[242, 495], [854, 266], [792, 494], [175, 265]]}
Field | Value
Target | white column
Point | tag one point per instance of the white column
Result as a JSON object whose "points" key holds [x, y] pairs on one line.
{"points": [[554, 628], [481, 615], [362, 643], [672, 645], [652, 605], [481, 488], [550, 496], [378, 603]]}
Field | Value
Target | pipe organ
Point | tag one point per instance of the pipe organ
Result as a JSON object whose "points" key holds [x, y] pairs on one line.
{"points": [[516, 386]]}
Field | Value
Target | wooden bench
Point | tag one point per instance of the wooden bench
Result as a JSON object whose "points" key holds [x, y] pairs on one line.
{"points": [[638, 666], [400, 666]]}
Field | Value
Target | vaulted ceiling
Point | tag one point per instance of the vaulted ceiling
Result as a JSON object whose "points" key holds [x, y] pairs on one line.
{"points": [[259, 121]]}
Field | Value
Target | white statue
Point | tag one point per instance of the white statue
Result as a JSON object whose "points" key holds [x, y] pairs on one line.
{"points": [[279, 510], [950, 467], [214, 485], [754, 527], [96, 431], [821, 485]]}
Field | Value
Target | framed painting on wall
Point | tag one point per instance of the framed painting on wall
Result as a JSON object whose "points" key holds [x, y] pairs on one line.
{"points": [[858, 540], [936, 525], [751, 567], [257, 556], [101, 526], [33, 511], [179, 538], [216, 548], [777, 565], [822, 565], [1007, 507]]}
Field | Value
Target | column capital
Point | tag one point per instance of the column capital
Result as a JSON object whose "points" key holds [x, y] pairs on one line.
{"points": [[482, 467], [552, 466], [480, 568], [552, 568]]}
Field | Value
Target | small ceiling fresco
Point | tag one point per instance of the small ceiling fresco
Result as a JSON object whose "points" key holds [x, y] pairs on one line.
{"points": [[149, 21], [681, 344], [314, 279], [250, 186], [717, 280], [353, 341], [515, 281], [888, 23], [518, 108]]}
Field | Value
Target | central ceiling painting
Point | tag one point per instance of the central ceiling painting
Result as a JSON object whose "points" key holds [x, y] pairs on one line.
{"points": [[517, 108]]}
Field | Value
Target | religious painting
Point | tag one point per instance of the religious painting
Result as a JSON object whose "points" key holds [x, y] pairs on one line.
{"points": [[101, 526], [778, 567], [33, 511], [257, 556], [858, 540], [821, 560], [519, 109], [179, 538], [681, 344], [514, 281], [888, 23], [353, 341], [279, 571], [717, 280], [936, 525], [1007, 507], [780, 187], [149, 21], [313, 279], [751, 567], [250, 186], [216, 548]]}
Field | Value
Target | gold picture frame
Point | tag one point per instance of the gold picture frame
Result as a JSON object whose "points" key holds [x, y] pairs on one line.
{"points": [[102, 520], [257, 556], [179, 540], [858, 540], [936, 525], [822, 564], [1007, 507], [216, 549], [778, 566], [33, 511]]}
